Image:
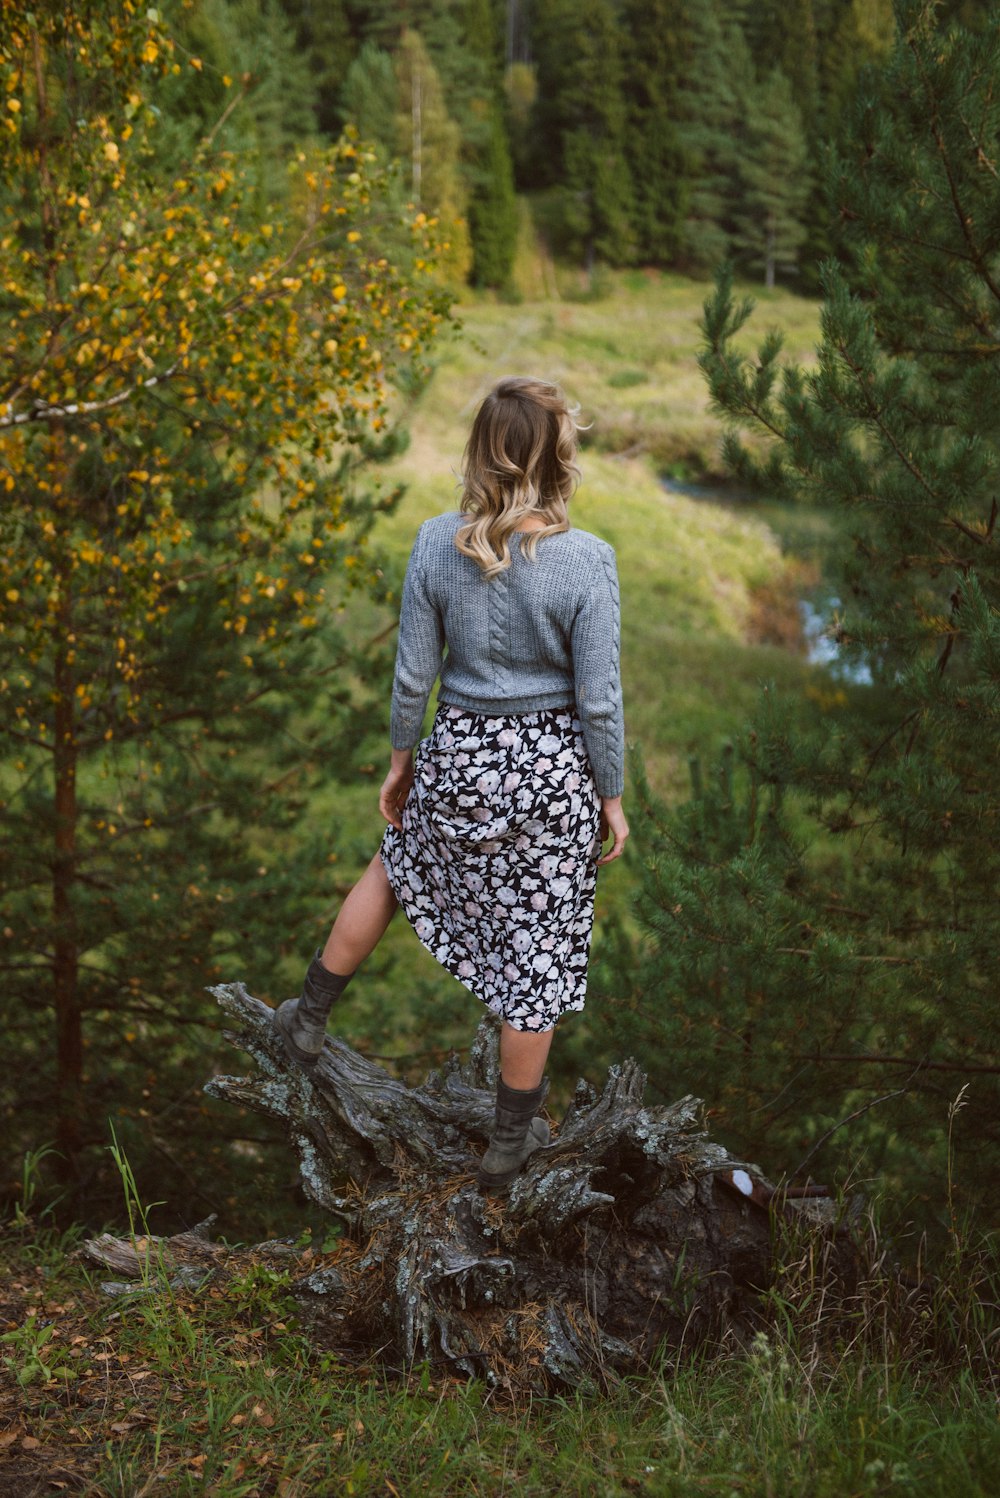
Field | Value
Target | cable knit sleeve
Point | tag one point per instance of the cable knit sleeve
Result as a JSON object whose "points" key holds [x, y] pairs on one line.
{"points": [[595, 643], [419, 650]]}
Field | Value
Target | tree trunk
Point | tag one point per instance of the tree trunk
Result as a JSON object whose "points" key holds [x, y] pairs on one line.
{"points": [[770, 254], [65, 949], [417, 152], [631, 1233]]}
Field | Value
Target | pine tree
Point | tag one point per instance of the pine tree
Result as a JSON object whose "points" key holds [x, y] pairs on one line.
{"points": [[776, 180], [520, 87], [580, 126], [861, 32], [326, 46], [844, 904], [651, 78], [717, 82], [488, 162], [782, 34], [460, 44], [493, 212], [188, 393], [250, 43], [370, 97]]}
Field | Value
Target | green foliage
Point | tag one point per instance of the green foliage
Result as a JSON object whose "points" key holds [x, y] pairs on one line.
{"points": [[34, 1357], [370, 97], [640, 132], [775, 177], [716, 83], [653, 48], [326, 47], [782, 35], [179, 547], [879, 879], [580, 126], [429, 141], [493, 212]]}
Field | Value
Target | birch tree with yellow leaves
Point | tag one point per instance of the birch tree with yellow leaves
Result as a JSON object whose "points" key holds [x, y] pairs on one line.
{"points": [[188, 397]]}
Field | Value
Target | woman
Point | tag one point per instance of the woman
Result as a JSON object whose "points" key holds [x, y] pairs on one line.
{"points": [[495, 832]]}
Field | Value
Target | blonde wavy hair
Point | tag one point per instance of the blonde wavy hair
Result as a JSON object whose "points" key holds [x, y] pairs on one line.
{"points": [[519, 464]]}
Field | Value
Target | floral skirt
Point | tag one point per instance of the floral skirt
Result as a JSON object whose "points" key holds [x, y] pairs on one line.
{"points": [[496, 865]]}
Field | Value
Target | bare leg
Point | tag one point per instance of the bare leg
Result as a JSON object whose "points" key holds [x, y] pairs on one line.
{"points": [[361, 922], [523, 1054]]}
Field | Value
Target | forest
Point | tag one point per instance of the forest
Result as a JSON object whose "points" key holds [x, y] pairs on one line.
{"points": [[666, 134], [259, 261]]}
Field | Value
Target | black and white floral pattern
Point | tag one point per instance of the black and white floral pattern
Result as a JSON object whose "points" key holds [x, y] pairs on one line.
{"points": [[496, 865]]}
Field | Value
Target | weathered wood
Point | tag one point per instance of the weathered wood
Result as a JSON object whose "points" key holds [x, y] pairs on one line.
{"points": [[630, 1233]]}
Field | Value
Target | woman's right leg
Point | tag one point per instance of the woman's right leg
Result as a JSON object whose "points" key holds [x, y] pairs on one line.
{"points": [[362, 920], [359, 927]]}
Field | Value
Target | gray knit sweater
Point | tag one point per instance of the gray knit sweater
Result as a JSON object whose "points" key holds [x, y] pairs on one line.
{"points": [[538, 636]]}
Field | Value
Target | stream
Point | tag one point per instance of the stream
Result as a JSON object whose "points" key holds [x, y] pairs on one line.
{"points": [[817, 608]]}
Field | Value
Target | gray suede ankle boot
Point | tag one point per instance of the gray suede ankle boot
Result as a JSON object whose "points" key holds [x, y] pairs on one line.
{"points": [[301, 1022], [516, 1135]]}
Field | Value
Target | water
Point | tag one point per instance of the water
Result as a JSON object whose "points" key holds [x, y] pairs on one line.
{"points": [[817, 611], [817, 616]]}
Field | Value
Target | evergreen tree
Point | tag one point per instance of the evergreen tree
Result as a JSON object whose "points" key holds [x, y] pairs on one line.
{"points": [[493, 212], [713, 101], [845, 906], [652, 66], [459, 38], [783, 34], [580, 126], [188, 393], [776, 181], [247, 45], [861, 32], [370, 98], [489, 165], [520, 87], [257, 44], [326, 46], [462, 45]]}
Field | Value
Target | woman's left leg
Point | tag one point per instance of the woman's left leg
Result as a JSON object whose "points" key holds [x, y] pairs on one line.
{"points": [[523, 1054], [360, 925]]}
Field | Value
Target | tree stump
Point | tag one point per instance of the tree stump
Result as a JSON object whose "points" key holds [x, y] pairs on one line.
{"points": [[631, 1234]]}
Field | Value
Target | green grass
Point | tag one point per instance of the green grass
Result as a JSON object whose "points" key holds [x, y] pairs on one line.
{"points": [[217, 1391]]}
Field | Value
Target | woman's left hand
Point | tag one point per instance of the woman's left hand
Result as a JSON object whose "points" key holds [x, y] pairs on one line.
{"points": [[396, 787], [613, 824]]}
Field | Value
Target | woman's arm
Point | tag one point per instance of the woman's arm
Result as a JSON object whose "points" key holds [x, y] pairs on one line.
{"points": [[613, 824], [594, 643], [396, 787], [419, 650]]}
